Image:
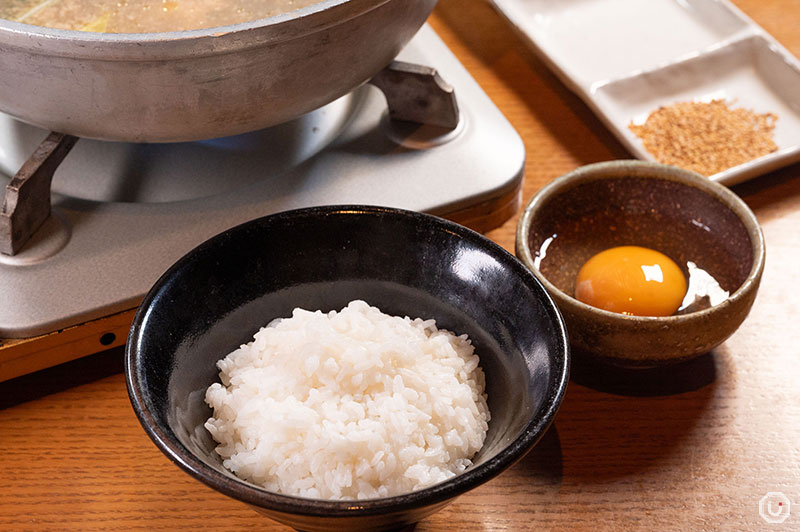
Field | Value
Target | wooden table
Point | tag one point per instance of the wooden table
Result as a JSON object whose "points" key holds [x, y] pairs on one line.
{"points": [[690, 448]]}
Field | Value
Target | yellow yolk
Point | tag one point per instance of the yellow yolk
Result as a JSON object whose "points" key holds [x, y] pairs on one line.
{"points": [[632, 280]]}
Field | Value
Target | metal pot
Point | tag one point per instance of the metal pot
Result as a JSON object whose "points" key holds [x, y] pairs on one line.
{"points": [[191, 85]]}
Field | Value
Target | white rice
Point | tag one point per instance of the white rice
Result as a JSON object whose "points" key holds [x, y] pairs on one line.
{"points": [[354, 404]]}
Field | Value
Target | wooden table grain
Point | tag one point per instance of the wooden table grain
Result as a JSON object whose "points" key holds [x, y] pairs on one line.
{"points": [[694, 447]]}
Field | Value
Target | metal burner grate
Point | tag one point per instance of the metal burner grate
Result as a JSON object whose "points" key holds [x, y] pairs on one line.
{"points": [[414, 93]]}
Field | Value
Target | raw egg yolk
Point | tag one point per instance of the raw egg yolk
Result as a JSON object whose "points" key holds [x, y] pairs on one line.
{"points": [[632, 280]]}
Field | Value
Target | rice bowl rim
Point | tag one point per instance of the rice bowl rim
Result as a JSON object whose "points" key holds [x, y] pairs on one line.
{"points": [[249, 493]]}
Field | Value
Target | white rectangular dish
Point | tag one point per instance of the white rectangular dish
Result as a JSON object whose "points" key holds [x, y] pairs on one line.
{"points": [[627, 58]]}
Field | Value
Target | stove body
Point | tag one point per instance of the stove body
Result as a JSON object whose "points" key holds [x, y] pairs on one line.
{"points": [[123, 213]]}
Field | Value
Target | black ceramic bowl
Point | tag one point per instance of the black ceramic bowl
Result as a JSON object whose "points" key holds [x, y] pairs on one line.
{"points": [[405, 263]]}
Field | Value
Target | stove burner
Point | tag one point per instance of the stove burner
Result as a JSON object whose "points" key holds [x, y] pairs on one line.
{"points": [[414, 93]]}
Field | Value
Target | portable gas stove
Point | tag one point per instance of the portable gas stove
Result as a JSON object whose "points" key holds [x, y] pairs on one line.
{"points": [[123, 213]]}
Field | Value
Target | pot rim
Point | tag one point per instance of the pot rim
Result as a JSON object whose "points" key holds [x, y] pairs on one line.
{"points": [[41, 40]]}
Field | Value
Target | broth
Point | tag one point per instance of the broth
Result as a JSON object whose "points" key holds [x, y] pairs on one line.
{"points": [[143, 16]]}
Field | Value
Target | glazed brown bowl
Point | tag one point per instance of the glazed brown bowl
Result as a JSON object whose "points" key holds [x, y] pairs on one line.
{"points": [[405, 263], [677, 212]]}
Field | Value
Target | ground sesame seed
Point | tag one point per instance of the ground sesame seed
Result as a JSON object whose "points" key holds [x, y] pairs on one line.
{"points": [[707, 137]]}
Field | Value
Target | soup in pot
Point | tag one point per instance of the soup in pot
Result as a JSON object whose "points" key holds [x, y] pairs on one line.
{"points": [[143, 16]]}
